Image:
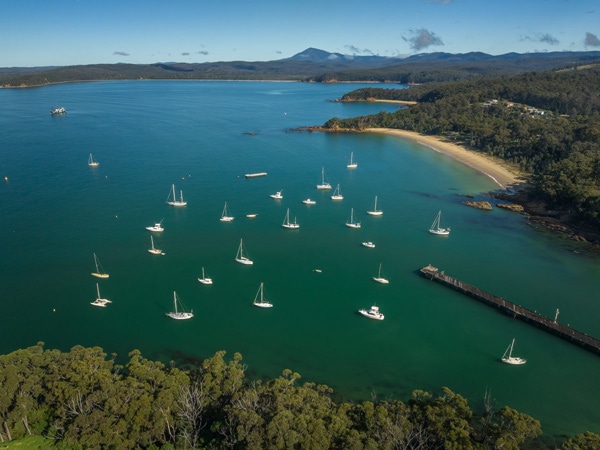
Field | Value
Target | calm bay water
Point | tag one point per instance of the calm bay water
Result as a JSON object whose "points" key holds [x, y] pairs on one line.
{"points": [[203, 136]]}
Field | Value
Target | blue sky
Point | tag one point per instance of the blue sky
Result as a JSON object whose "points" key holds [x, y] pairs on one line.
{"points": [[68, 32]]}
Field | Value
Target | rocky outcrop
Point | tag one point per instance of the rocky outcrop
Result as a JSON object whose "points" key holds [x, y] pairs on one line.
{"points": [[479, 205], [511, 207]]}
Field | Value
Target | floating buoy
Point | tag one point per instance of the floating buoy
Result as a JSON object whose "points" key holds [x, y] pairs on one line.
{"points": [[6, 179], [53, 309]]}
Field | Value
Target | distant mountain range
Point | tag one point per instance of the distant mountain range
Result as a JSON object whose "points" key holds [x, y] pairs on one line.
{"points": [[313, 65]]}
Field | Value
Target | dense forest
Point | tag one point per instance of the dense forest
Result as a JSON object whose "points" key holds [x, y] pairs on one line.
{"points": [[547, 123], [83, 399]]}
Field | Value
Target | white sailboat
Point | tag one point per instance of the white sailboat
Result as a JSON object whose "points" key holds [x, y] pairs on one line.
{"points": [[239, 257], [259, 299], [352, 164], [172, 198], [157, 227], [99, 273], [91, 162], [379, 278], [375, 212], [508, 358], [176, 314], [351, 223], [372, 313], [436, 228], [324, 185], [277, 195], [152, 249], [337, 195], [287, 224], [101, 302], [225, 217], [205, 279]]}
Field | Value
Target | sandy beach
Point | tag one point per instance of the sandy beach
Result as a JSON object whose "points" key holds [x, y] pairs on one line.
{"points": [[496, 169]]}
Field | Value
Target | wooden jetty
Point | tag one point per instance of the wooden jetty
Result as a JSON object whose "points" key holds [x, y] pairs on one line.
{"points": [[511, 309]]}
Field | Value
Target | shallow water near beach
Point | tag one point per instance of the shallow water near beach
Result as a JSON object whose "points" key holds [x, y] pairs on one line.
{"points": [[203, 137]]}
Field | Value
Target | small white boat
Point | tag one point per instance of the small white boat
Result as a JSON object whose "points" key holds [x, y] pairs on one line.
{"points": [[99, 273], [508, 358], [351, 223], [225, 215], [157, 227], [205, 279], [436, 228], [379, 278], [251, 216], [152, 249], [337, 195], [368, 244], [239, 257], [277, 196], [308, 201], [91, 162], [58, 110], [324, 185], [287, 224], [352, 164], [375, 212], [257, 174], [259, 299], [101, 302], [176, 314], [372, 313], [172, 198]]}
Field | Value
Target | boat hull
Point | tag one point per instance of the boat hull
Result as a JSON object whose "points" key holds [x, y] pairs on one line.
{"points": [[100, 275]]}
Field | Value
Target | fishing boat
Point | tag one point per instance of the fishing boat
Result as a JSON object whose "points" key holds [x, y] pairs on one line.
{"points": [[225, 217], [379, 278], [58, 110], [251, 216], [368, 244], [277, 195], [91, 162], [152, 249], [287, 224], [239, 257], [372, 313], [508, 358], [324, 185], [352, 164], [337, 195], [99, 273], [259, 299], [101, 302], [205, 279], [157, 227], [375, 212], [351, 223], [436, 228], [172, 198], [176, 314], [308, 201]]}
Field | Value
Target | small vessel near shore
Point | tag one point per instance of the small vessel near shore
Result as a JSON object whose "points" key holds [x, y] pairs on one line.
{"points": [[337, 195], [91, 161], [157, 227], [172, 198], [277, 195], [152, 249], [99, 273], [225, 215], [287, 224], [205, 279], [308, 201], [368, 244], [508, 358], [239, 257], [324, 185], [375, 212], [58, 110], [372, 313], [379, 278], [259, 299], [176, 314], [436, 228], [101, 302], [251, 216], [352, 164], [351, 223]]}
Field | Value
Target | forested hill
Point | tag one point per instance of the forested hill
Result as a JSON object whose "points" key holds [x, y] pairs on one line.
{"points": [[548, 123], [311, 65], [82, 399]]}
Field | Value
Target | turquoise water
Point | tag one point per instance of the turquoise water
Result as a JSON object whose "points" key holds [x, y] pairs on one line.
{"points": [[203, 136]]}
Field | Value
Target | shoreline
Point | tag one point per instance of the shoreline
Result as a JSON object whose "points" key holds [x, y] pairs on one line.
{"points": [[498, 171]]}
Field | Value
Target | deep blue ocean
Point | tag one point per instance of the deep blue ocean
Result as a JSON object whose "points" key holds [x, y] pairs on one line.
{"points": [[56, 212]]}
